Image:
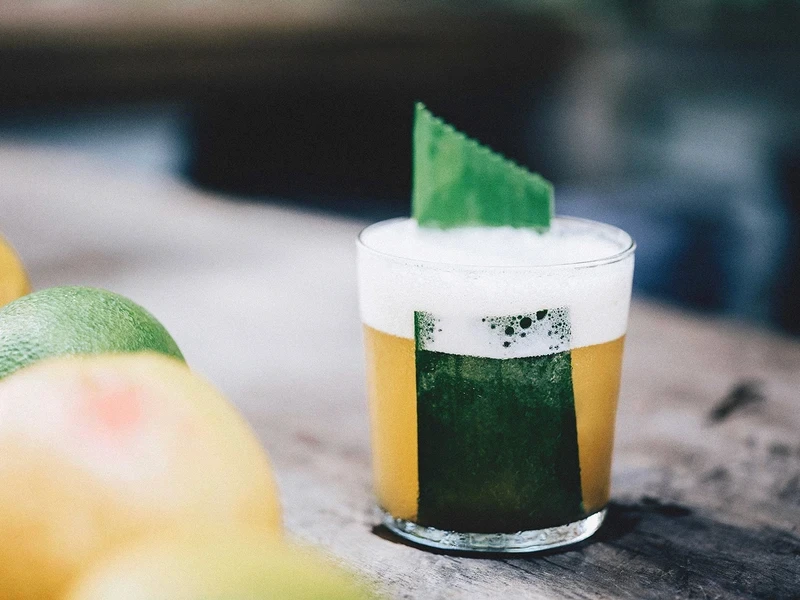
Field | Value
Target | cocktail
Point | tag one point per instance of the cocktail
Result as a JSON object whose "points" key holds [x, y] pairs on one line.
{"points": [[493, 364]]}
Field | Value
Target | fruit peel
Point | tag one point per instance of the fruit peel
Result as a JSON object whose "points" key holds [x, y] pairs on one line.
{"points": [[78, 480], [76, 320], [242, 566]]}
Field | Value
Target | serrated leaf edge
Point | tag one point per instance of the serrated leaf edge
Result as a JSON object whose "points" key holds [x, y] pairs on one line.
{"points": [[484, 149]]}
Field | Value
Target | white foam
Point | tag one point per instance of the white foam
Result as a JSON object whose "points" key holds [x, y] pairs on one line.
{"points": [[567, 241], [473, 273]]}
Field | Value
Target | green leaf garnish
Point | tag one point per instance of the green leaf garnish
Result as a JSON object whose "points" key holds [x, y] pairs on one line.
{"points": [[458, 182]]}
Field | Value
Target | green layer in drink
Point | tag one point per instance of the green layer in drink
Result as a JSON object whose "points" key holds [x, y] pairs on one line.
{"points": [[498, 448]]}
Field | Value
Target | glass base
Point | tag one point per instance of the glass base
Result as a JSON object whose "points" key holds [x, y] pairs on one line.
{"points": [[534, 540]]}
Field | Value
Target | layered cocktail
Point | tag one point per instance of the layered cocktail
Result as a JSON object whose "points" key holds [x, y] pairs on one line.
{"points": [[494, 357]]}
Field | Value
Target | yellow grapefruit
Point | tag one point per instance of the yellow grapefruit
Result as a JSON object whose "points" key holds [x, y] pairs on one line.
{"points": [[241, 567], [13, 279], [99, 451]]}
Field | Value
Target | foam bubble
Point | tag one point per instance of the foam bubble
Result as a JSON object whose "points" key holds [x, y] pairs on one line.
{"points": [[471, 273]]}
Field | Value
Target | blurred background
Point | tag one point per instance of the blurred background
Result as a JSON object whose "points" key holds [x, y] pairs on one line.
{"points": [[678, 120]]}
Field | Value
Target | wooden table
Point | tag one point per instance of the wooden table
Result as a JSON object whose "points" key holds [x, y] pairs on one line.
{"points": [[262, 300]]}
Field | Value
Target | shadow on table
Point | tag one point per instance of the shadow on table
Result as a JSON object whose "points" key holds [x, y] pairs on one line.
{"points": [[651, 549]]}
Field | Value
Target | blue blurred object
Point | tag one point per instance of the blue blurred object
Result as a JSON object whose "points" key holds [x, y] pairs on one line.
{"points": [[149, 138], [708, 246]]}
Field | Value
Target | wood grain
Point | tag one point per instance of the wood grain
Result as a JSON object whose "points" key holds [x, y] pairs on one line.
{"points": [[262, 300]]}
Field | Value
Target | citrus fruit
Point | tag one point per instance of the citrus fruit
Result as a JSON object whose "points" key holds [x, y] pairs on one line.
{"points": [[13, 280], [235, 568], [76, 320], [97, 451]]}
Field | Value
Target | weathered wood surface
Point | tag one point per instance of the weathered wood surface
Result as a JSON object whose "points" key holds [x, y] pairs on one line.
{"points": [[262, 299]]}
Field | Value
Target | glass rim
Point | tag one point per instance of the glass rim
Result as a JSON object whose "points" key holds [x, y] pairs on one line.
{"points": [[582, 264]]}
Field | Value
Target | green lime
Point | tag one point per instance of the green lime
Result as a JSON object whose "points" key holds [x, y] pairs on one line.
{"points": [[76, 320]]}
